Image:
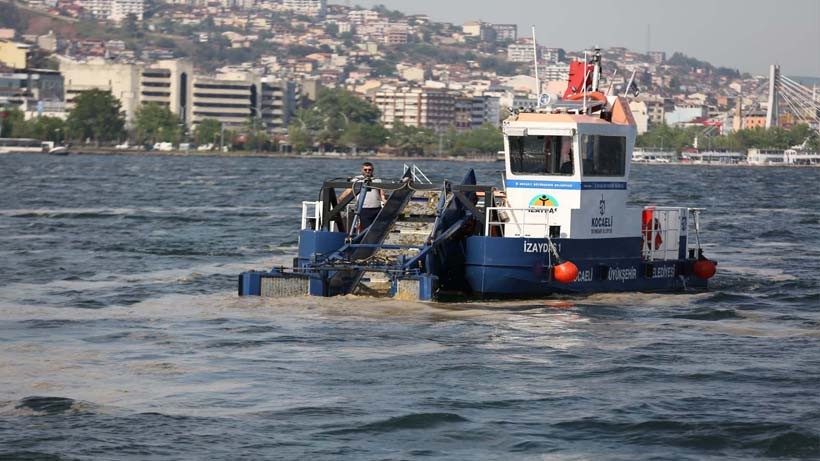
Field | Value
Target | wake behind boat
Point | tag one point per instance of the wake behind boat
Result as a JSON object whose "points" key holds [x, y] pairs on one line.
{"points": [[560, 224]]}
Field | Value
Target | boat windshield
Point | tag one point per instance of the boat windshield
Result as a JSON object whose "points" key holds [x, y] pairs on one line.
{"points": [[541, 155], [603, 155]]}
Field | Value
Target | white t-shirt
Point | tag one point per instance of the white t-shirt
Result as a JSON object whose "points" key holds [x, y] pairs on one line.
{"points": [[373, 198]]}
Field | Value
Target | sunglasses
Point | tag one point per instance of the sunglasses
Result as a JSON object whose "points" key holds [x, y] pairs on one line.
{"points": [[367, 169]]}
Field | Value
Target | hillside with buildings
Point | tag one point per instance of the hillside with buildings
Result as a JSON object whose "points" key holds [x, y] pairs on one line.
{"points": [[259, 63]]}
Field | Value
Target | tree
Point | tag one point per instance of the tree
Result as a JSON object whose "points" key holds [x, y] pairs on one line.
{"points": [[97, 116], [411, 140], [155, 123], [485, 139], [336, 112], [13, 123], [361, 136], [208, 131], [130, 26], [47, 129]]}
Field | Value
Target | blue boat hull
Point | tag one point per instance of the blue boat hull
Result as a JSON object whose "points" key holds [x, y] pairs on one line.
{"points": [[521, 267]]}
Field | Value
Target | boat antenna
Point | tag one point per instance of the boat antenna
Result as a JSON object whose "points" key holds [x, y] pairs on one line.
{"points": [[611, 82], [586, 76], [631, 82], [535, 59]]}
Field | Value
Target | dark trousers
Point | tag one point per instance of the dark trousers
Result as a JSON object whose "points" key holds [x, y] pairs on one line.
{"points": [[367, 216]]}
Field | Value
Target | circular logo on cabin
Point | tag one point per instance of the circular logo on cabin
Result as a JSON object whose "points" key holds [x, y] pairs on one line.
{"points": [[544, 200]]}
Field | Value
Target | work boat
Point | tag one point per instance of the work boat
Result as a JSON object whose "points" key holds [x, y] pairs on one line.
{"points": [[559, 225]]}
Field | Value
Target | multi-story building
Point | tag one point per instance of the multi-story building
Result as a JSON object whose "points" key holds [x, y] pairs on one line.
{"points": [[520, 52], [552, 55], [418, 107], [239, 99], [120, 9], [396, 34], [640, 113], [122, 80], [463, 113], [361, 17], [473, 111], [658, 57], [472, 28], [35, 91], [306, 7], [655, 110], [14, 55], [505, 32], [168, 83], [486, 110], [114, 10], [277, 104], [232, 99], [554, 72]]}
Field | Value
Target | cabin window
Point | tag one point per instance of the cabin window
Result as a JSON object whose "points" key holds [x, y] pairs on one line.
{"points": [[541, 155], [603, 155]]}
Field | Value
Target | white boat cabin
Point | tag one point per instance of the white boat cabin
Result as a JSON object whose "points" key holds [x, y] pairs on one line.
{"points": [[567, 175]]}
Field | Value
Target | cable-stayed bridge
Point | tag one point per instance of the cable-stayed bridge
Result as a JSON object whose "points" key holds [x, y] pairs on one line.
{"points": [[791, 102]]}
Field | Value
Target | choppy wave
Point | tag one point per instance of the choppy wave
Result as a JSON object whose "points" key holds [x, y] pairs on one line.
{"points": [[121, 336]]}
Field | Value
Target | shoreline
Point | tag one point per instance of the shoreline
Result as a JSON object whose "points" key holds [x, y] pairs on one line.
{"points": [[250, 154], [326, 156]]}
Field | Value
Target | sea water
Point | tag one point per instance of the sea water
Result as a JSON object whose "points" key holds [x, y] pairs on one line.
{"points": [[121, 335]]}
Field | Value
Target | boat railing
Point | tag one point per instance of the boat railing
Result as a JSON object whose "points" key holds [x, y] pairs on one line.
{"points": [[662, 229], [504, 217], [311, 215]]}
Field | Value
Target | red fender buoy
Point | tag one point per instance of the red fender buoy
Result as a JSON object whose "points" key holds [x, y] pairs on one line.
{"points": [[565, 272], [705, 269]]}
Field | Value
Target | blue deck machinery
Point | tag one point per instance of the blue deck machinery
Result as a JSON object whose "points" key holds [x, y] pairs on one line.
{"points": [[414, 249]]}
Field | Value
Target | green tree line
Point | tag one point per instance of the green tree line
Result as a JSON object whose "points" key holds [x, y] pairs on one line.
{"points": [[677, 138], [338, 120]]}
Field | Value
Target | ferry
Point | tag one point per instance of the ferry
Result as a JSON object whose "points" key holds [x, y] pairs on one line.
{"points": [[559, 225]]}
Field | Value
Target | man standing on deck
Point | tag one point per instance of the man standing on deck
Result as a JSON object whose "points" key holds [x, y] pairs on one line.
{"points": [[373, 199]]}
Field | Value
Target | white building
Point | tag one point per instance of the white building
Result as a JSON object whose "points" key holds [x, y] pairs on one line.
{"points": [[520, 52], [114, 10], [360, 17], [306, 7], [554, 72]]}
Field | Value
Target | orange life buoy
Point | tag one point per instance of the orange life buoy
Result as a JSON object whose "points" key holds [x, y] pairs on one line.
{"points": [[597, 95]]}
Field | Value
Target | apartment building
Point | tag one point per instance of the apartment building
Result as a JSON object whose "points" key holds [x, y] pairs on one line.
{"points": [[114, 10], [418, 107], [505, 32], [552, 55], [554, 72], [306, 7], [520, 52], [471, 112]]}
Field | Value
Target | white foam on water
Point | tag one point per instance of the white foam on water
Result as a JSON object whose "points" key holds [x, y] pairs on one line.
{"points": [[49, 291]]}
